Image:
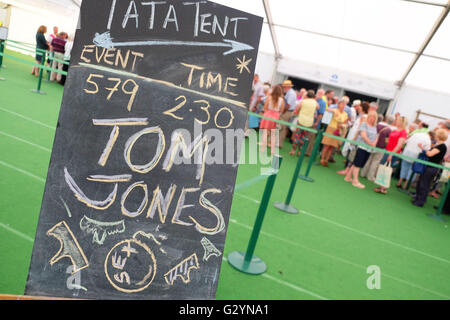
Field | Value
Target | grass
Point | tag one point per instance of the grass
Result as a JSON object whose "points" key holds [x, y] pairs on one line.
{"points": [[321, 253]]}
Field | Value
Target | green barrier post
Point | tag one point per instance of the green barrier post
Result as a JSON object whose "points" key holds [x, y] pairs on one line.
{"points": [[286, 206], [2, 49], [41, 72], [438, 214], [247, 262], [314, 153]]}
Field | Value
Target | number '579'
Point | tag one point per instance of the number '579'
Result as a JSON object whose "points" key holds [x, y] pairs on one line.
{"points": [[129, 87]]}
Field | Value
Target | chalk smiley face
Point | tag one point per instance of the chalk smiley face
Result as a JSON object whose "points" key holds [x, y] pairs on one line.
{"points": [[130, 266]]}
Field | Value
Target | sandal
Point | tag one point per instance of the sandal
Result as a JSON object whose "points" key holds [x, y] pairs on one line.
{"points": [[359, 185], [379, 190], [434, 195]]}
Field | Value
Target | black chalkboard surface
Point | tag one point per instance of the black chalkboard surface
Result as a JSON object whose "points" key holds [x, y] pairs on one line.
{"points": [[144, 162]]}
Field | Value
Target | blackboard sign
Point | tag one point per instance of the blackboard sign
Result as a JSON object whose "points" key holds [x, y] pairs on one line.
{"points": [[144, 162]]}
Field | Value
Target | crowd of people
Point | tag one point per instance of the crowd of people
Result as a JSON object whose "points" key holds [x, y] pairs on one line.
{"points": [[359, 122], [59, 44]]}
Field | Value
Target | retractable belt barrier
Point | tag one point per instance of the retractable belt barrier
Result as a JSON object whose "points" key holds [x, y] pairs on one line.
{"points": [[320, 133], [400, 156], [43, 53]]}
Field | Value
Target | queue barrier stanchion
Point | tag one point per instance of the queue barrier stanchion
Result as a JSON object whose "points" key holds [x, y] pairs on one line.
{"points": [[2, 49], [438, 215], [313, 157], [50, 63], [41, 72], [286, 205], [247, 262]]}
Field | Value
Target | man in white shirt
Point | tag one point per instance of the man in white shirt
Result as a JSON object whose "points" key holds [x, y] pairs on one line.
{"points": [[53, 35], [412, 150]]}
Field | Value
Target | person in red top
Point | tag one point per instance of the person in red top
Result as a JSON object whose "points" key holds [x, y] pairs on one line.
{"points": [[397, 140]]}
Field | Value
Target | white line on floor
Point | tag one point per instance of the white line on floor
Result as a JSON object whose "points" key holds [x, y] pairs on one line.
{"points": [[362, 233], [18, 233], [290, 285], [22, 171], [25, 141], [375, 237], [411, 284], [248, 198], [27, 118]]}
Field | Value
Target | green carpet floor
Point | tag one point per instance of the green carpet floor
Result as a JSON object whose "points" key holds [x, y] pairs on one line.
{"points": [[321, 253]]}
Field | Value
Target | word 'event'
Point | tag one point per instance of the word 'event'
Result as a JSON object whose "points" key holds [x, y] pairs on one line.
{"points": [[145, 12]]}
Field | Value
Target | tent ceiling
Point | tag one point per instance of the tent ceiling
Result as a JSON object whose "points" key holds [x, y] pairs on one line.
{"points": [[384, 39], [392, 40]]}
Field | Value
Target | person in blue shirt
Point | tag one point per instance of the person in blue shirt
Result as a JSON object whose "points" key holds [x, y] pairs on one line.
{"points": [[347, 108]]}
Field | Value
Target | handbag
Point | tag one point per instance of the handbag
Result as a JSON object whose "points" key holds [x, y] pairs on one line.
{"points": [[295, 122], [384, 174], [419, 167], [445, 173]]}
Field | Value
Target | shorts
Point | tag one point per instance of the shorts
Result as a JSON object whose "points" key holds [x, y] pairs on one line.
{"points": [[406, 170], [361, 158]]}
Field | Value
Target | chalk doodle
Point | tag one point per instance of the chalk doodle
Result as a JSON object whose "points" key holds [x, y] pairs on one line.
{"points": [[182, 270], [130, 266], [99, 229], [243, 64], [210, 249], [69, 247], [151, 236]]}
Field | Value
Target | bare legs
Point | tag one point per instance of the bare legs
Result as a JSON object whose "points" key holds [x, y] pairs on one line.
{"points": [[35, 70], [273, 140], [326, 154], [352, 176]]}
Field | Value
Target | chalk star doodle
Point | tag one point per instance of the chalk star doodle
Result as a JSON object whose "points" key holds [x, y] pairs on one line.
{"points": [[210, 249], [182, 270], [243, 64]]}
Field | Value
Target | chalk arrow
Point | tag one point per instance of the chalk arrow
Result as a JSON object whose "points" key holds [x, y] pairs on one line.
{"points": [[106, 41]]}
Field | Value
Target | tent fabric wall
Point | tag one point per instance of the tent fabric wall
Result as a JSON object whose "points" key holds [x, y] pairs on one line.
{"points": [[27, 16], [411, 98]]}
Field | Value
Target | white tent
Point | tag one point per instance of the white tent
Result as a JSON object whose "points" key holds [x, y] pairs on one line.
{"points": [[397, 51], [25, 16]]}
